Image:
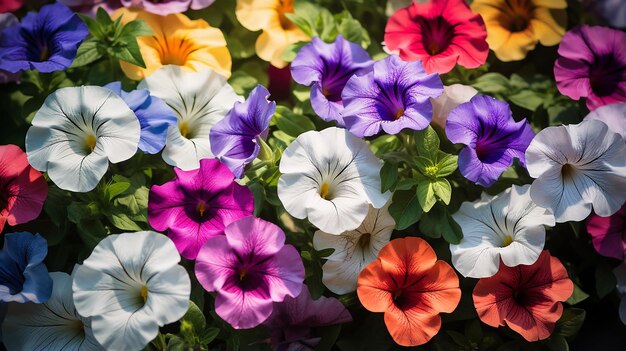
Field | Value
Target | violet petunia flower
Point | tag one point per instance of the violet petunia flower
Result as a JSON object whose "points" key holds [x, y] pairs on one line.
{"points": [[250, 268], [608, 234], [391, 96], [292, 320], [592, 64], [327, 68], [23, 275], [611, 11], [46, 41], [235, 139], [154, 116], [197, 205], [8, 20], [492, 136], [167, 7], [90, 7]]}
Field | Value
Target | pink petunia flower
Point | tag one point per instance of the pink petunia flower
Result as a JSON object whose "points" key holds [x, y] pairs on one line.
{"points": [[608, 234], [250, 268], [197, 205], [23, 189]]}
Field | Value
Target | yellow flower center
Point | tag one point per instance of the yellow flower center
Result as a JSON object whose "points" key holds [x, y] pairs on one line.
{"points": [[201, 208], [399, 113], [516, 15], [567, 171], [364, 240], [184, 129], [174, 58], [45, 54], [325, 191], [144, 293], [506, 241], [285, 6], [242, 273], [90, 142]]}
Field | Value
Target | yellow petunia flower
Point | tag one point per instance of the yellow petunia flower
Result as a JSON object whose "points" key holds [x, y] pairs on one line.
{"points": [[177, 40], [515, 26], [278, 31]]}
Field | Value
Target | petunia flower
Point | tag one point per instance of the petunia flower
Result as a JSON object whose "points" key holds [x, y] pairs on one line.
{"points": [[440, 33], [577, 167], [612, 12], [613, 115], [592, 64], [197, 205], [278, 31], [77, 131], [46, 41], [453, 95], [90, 7], [154, 116], [515, 27], [525, 298], [235, 139], [23, 275], [411, 287], [326, 68], [608, 234], [620, 275], [199, 100], [7, 20], [167, 7], [11, 5], [23, 189], [53, 325], [492, 136], [507, 228], [330, 177], [354, 249], [292, 320], [176, 40], [249, 268], [129, 286], [391, 96]]}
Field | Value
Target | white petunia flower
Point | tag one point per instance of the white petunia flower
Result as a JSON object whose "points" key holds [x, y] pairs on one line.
{"points": [[577, 167], [330, 177], [130, 285], [507, 227], [77, 131], [613, 115], [453, 95], [199, 99], [354, 249], [54, 325]]}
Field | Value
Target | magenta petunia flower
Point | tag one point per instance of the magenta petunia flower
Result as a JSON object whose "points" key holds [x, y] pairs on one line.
{"points": [[23, 189], [250, 268], [592, 64], [197, 205], [492, 136], [608, 234]]}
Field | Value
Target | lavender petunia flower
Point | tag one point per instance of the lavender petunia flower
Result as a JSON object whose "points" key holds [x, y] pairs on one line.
{"points": [[234, 139], [492, 136], [327, 68], [23, 275], [155, 117], [292, 320], [90, 7], [391, 95], [611, 11], [46, 41]]}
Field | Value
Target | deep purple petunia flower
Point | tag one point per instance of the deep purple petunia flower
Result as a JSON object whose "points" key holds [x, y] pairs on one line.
{"points": [[154, 116], [46, 41], [592, 64], [234, 139], [391, 96], [492, 136], [197, 205], [250, 268], [292, 320], [327, 68]]}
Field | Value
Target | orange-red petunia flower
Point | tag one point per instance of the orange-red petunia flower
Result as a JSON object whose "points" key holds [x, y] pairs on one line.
{"points": [[411, 287], [526, 298]]}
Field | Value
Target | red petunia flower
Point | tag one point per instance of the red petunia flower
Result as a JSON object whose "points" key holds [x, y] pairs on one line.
{"points": [[440, 33], [10, 5], [526, 298], [23, 189]]}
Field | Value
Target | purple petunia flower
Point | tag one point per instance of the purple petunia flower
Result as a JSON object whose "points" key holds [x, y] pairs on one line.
{"points": [[46, 41], [8, 20], [250, 268], [592, 64], [292, 320], [155, 117], [492, 136], [90, 7], [197, 205], [327, 68], [391, 95], [23, 275], [234, 139]]}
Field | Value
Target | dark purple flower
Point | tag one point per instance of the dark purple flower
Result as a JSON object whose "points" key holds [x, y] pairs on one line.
{"points": [[391, 95], [7, 20], [291, 320], [327, 68], [46, 41], [235, 139], [492, 136]]}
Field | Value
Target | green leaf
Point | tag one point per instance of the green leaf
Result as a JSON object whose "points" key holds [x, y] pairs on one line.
{"points": [[527, 99], [570, 322], [557, 343], [208, 335], [605, 279], [102, 17], [129, 53], [447, 165], [352, 30], [442, 190], [405, 209], [87, 53], [438, 222], [493, 83], [292, 50], [577, 296], [426, 194], [291, 123], [195, 317], [115, 189], [427, 142], [175, 343], [242, 82], [458, 338], [388, 176], [121, 221], [129, 32]]}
